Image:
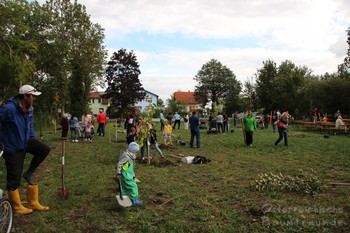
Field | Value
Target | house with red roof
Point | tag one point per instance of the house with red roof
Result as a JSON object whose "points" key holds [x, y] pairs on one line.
{"points": [[187, 101], [97, 102]]}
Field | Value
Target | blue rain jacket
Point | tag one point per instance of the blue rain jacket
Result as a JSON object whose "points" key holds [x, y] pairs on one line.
{"points": [[17, 126]]}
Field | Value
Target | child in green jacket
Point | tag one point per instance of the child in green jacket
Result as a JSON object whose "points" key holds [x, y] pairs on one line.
{"points": [[125, 172]]}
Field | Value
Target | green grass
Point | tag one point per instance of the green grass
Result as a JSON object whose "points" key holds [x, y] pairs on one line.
{"points": [[178, 197]]}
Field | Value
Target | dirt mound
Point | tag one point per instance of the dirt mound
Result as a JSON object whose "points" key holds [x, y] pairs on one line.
{"points": [[163, 163], [166, 147]]}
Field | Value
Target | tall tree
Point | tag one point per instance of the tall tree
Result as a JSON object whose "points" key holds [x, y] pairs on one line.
{"points": [[232, 101], [122, 77], [249, 95], [290, 86], [265, 79], [213, 80], [83, 66], [344, 68], [15, 47]]}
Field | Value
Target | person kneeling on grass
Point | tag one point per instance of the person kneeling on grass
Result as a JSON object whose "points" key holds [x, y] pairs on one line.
{"points": [[125, 172]]}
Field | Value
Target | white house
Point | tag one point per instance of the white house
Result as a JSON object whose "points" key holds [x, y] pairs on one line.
{"points": [[97, 103], [150, 98]]}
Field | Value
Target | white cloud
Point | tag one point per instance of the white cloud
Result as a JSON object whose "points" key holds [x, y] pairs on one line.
{"points": [[307, 32]]}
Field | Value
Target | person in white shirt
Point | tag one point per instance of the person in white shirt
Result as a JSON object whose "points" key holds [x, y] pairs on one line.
{"points": [[339, 123]]}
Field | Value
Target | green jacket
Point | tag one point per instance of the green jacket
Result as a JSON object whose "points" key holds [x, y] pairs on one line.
{"points": [[249, 123], [126, 169]]}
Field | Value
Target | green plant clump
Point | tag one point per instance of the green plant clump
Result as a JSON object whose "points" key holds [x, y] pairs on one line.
{"points": [[305, 183]]}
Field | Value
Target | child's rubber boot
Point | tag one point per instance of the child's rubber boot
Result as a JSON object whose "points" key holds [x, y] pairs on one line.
{"points": [[17, 204], [136, 202]]}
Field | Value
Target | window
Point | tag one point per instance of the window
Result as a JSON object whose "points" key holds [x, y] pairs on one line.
{"points": [[148, 99], [99, 101]]}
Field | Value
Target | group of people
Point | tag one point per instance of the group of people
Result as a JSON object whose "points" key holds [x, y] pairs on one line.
{"points": [[18, 137], [176, 118], [138, 131], [84, 128], [218, 123], [317, 116]]}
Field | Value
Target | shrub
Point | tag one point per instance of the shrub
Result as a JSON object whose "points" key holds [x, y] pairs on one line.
{"points": [[305, 183]]}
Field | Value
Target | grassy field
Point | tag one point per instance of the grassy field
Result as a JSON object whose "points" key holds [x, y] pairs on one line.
{"points": [[179, 197]]}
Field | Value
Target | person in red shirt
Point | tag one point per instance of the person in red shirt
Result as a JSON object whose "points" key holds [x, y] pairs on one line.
{"points": [[102, 122]]}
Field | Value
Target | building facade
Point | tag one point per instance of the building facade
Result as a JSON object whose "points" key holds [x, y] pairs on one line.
{"points": [[98, 103], [187, 101]]}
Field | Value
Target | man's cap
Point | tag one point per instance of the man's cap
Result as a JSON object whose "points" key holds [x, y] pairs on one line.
{"points": [[28, 90]]}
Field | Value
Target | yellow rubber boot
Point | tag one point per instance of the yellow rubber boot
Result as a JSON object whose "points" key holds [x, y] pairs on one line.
{"points": [[33, 196], [18, 208]]}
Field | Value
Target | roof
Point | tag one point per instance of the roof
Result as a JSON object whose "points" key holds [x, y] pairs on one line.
{"points": [[185, 97], [151, 93], [95, 95], [98, 95]]}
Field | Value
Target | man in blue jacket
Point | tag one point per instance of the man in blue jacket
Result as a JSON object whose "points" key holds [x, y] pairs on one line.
{"points": [[194, 126], [18, 136]]}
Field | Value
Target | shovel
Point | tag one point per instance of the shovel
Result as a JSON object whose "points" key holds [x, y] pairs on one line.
{"points": [[243, 130], [2, 148], [63, 192], [123, 200]]}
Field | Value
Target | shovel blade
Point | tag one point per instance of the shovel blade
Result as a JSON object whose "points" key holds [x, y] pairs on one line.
{"points": [[63, 193], [124, 201]]}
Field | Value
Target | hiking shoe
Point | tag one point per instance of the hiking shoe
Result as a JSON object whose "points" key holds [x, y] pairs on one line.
{"points": [[136, 202]]}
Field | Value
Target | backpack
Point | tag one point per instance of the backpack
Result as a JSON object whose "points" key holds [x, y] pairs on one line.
{"points": [[200, 160]]}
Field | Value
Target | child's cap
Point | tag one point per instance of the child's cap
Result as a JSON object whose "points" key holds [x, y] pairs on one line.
{"points": [[133, 147]]}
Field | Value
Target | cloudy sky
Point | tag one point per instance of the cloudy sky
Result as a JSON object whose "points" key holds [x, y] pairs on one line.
{"points": [[173, 39]]}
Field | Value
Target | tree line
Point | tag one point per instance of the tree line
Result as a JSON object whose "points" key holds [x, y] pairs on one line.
{"points": [[56, 48], [285, 87]]}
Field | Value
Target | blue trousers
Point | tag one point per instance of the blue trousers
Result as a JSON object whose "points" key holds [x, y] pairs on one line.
{"points": [[282, 133], [195, 133]]}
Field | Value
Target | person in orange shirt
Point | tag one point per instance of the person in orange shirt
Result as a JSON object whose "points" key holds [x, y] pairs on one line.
{"points": [[102, 122]]}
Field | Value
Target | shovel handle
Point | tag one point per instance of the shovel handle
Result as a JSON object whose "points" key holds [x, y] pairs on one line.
{"points": [[120, 188]]}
